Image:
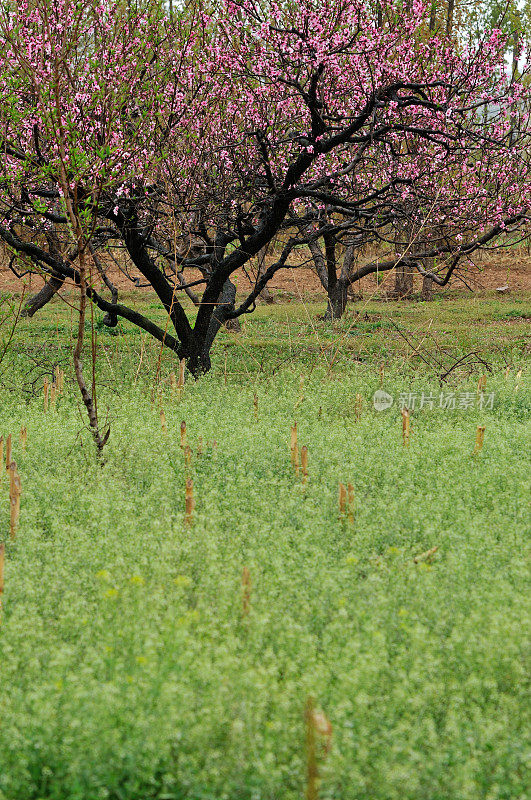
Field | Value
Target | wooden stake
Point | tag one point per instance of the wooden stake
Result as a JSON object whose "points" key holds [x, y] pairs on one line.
{"points": [[342, 500], [246, 592], [189, 503], [61, 381], [23, 437], [8, 451], [480, 435], [357, 407], [163, 421], [482, 383], [350, 503], [46, 388], [53, 393], [405, 427], [304, 464], [293, 440], [183, 434], [182, 365]]}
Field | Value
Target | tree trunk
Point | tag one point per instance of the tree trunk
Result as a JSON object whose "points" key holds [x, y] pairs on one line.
{"points": [[337, 301], [427, 289], [403, 281], [42, 297], [198, 361], [265, 294]]}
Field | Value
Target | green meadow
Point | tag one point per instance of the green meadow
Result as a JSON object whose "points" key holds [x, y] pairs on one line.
{"points": [[134, 665]]}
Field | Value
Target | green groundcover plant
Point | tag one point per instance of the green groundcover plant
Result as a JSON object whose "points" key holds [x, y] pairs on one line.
{"points": [[127, 668]]}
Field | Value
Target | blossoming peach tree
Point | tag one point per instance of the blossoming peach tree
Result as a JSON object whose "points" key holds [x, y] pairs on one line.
{"points": [[125, 131]]}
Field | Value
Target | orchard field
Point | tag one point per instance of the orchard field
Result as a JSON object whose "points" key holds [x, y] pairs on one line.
{"points": [[264, 399], [145, 657]]}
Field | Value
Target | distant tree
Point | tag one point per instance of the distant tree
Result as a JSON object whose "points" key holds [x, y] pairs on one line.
{"points": [[126, 132]]}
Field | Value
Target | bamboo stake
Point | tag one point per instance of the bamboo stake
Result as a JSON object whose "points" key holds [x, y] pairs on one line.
{"points": [[189, 503], [480, 435], [163, 421], [183, 434], [53, 394], [180, 382], [293, 441], [12, 472], [45, 388], [482, 384], [405, 427], [61, 381], [304, 464], [246, 592], [342, 499], [8, 451], [357, 407], [350, 503], [23, 438]]}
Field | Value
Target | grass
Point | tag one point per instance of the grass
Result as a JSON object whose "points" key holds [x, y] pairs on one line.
{"points": [[127, 668]]}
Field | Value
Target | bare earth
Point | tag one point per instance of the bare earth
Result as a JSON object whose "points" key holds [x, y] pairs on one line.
{"points": [[505, 268]]}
